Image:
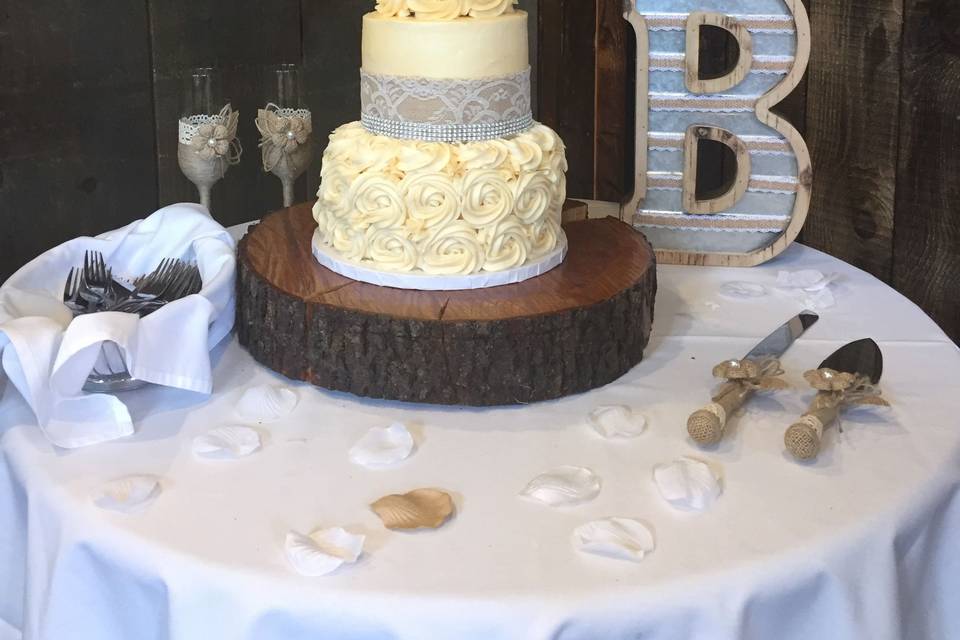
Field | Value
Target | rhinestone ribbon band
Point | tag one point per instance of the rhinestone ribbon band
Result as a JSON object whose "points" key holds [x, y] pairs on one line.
{"points": [[445, 132], [446, 110]]}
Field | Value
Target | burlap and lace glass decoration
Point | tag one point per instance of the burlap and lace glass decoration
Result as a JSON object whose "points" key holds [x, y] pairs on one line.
{"points": [[835, 391], [286, 144], [208, 146]]}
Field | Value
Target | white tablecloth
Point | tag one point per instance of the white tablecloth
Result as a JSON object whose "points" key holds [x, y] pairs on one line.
{"points": [[865, 543]]}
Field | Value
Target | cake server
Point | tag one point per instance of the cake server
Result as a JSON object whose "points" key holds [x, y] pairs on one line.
{"points": [[758, 370], [847, 378]]}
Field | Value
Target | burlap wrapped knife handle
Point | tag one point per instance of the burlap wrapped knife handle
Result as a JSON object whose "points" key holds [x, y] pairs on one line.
{"points": [[743, 378], [707, 425], [803, 438], [835, 391]]}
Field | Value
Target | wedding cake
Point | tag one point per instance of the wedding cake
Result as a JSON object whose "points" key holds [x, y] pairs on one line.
{"points": [[446, 181]]}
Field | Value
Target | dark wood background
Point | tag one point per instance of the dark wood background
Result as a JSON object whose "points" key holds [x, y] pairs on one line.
{"points": [[880, 110], [89, 98]]}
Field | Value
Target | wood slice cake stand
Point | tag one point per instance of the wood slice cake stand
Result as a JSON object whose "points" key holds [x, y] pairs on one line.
{"points": [[578, 327]]}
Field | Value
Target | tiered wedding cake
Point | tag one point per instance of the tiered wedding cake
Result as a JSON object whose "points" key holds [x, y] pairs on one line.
{"points": [[446, 174], [445, 187]]}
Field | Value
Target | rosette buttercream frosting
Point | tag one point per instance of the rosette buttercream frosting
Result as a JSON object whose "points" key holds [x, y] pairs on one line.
{"points": [[442, 209], [445, 9]]}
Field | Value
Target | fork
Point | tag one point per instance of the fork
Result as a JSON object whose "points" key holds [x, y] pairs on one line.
{"points": [[71, 292], [172, 280], [153, 285], [97, 285]]}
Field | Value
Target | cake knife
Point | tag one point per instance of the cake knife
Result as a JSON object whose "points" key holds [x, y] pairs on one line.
{"points": [[848, 377], [757, 370]]}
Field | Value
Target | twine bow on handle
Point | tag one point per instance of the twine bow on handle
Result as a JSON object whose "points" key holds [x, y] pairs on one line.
{"points": [[742, 379], [835, 391], [286, 144]]}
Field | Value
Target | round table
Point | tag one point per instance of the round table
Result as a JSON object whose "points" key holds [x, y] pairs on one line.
{"points": [[862, 543]]}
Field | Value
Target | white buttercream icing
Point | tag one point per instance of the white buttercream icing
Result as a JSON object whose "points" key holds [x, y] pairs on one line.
{"points": [[405, 205], [454, 249], [508, 244], [487, 197], [393, 8], [534, 196], [392, 249], [376, 202], [545, 236], [445, 9], [444, 45], [432, 199]]}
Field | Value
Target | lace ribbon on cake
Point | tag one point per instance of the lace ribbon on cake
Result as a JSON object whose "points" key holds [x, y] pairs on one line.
{"points": [[446, 110]]}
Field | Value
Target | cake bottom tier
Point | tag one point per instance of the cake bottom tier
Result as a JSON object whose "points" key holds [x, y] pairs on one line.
{"points": [[440, 209], [578, 327]]}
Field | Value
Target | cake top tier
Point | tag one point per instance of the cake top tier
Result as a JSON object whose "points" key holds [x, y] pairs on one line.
{"points": [[445, 9], [463, 49]]}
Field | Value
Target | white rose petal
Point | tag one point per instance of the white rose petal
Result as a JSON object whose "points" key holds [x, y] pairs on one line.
{"points": [[322, 552], [808, 279], [616, 421], [383, 446], [742, 290], [617, 538], [128, 494], [688, 484], [232, 441], [266, 403], [564, 486]]}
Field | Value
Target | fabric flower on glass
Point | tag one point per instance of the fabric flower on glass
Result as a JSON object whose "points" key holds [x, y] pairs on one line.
{"points": [[211, 141], [280, 135], [217, 139]]}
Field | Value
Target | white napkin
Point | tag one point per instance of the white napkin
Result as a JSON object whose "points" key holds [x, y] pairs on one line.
{"points": [[48, 358]]}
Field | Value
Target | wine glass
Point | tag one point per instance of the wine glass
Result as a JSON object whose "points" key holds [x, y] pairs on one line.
{"points": [[202, 92], [207, 131], [286, 126]]}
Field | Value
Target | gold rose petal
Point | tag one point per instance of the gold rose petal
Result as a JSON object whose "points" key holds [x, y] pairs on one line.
{"points": [[419, 509]]}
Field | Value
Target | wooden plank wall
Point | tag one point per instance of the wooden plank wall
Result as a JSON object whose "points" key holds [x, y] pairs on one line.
{"points": [[926, 257], [878, 109], [76, 111], [90, 95]]}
